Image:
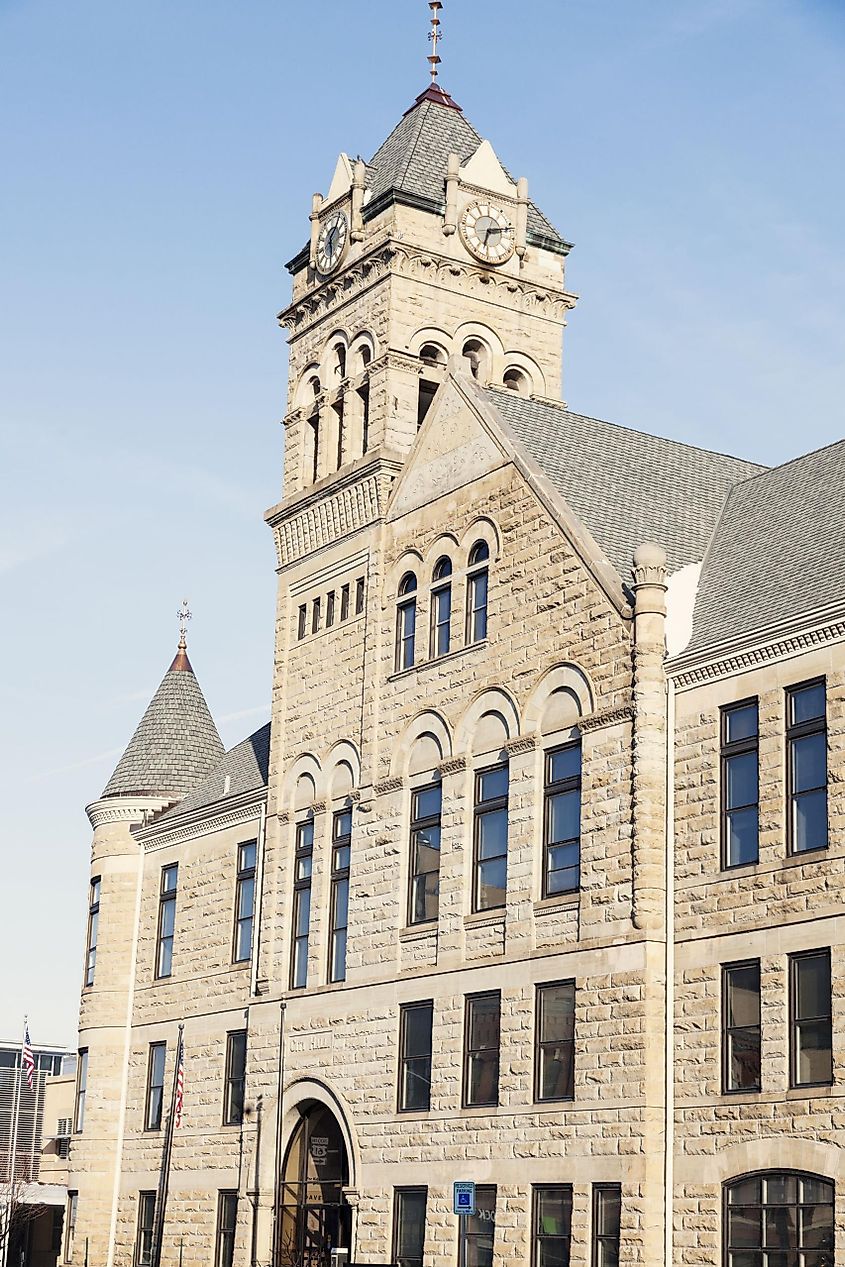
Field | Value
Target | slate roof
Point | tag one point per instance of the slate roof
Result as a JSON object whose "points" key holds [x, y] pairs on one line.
{"points": [[176, 742], [414, 158], [778, 552], [246, 766], [625, 486]]}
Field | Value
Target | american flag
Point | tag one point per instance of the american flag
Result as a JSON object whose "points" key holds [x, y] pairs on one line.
{"points": [[180, 1084], [28, 1061]]}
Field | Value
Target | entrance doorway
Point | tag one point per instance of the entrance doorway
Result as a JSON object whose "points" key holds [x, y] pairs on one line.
{"points": [[315, 1217]]}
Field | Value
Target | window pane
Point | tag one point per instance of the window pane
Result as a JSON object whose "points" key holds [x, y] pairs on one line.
{"points": [[807, 702], [492, 883], [809, 762], [564, 816], [168, 918], [743, 834], [744, 1226], [416, 1087], [745, 1192], [493, 783], [815, 1063], [418, 1022], [741, 775], [303, 911], [246, 896], [816, 1190], [741, 723], [492, 833], [410, 1226], [608, 1212], [424, 898], [744, 1059], [744, 995], [427, 802], [557, 1072], [426, 849], [247, 859], [557, 1012], [812, 986], [809, 824], [484, 1023], [565, 764]]}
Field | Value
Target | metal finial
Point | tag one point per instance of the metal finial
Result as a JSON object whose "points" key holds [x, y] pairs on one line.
{"points": [[183, 616], [434, 36]]}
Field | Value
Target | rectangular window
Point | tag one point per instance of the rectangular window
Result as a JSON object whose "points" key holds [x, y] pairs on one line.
{"points": [[155, 1086], [359, 596], [315, 616], [302, 621], [93, 921], [806, 736], [227, 1222], [607, 1224], [811, 1021], [477, 584], [491, 838], [235, 1088], [339, 896], [406, 625], [344, 603], [552, 1219], [426, 804], [481, 1049], [81, 1089], [70, 1232], [740, 780], [554, 1069], [409, 1226], [146, 1229], [562, 817], [301, 903], [478, 1231], [415, 1023], [314, 425], [741, 1026], [441, 621], [166, 919], [330, 610], [244, 901]]}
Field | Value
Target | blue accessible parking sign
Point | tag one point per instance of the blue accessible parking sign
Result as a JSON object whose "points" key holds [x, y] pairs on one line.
{"points": [[463, 1197]]}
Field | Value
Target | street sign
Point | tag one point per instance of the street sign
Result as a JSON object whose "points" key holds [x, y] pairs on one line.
{"points": [[463, 1198]]}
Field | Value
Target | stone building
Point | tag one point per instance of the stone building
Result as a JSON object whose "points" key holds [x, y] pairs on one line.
{"points": [[534, 878]]}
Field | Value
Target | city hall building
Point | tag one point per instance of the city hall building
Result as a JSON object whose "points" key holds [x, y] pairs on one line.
{"points": [[535, 878]]}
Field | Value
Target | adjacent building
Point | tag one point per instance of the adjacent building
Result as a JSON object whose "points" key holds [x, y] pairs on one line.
{"points": [[535, 877]]}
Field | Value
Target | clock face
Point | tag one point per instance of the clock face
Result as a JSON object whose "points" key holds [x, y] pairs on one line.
{"points": [[332, 241], [488, 233]]}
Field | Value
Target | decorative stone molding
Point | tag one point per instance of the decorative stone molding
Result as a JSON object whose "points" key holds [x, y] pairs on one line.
{"points": [[121, 810], [319, 807], [610, 717], [355, 795], [754, 657], [203, 826], [331, 516], [454, 765], [283, 816], [387, 786], [349, 284], [522, 743]]}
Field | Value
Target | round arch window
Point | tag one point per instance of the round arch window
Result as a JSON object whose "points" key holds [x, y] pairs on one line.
{"points": [[778, 1218]]}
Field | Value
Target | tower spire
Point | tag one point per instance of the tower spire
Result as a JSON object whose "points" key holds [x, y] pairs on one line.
{"points": [[435, 37], [181, 663]]}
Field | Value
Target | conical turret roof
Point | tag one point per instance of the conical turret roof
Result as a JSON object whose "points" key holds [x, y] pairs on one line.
{"points": [[176, 742]]}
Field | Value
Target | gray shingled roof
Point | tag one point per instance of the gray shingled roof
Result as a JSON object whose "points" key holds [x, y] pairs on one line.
{"points": [[176, 742], [625, 486], [778, 552], [246, 766], [414, 158]]}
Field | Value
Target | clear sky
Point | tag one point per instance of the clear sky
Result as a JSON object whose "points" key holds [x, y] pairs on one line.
{"points": [[157, 161]]}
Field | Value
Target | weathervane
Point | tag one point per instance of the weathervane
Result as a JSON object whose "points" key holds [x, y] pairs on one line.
{"points": [[434, 36], [183, 616]]}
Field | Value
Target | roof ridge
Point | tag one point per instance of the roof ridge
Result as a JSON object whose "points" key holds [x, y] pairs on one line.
{"points": [[799, 457]]}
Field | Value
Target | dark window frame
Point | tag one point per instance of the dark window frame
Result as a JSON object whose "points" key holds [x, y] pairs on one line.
{"points": [[441, 589], [421, 824], [797, 731], [225, 1236], [405, 648], [766, 1176], [94, 890], [464, 1236], [469, 1051], [167, 897], [81, 1090], [728, 749], [302, 622], [399, 1259], [538, 1236], [70, 1230], [152, 1122], [480, 810], [478, 566], [145, 1228], [339, 876], [301, 885], [234, 1079], [795, 1022], [540, 1044], [597, 1238], [360, 592], [728, 1030], [244, 873], [404, 1012], [344, 602], [571, 783]]}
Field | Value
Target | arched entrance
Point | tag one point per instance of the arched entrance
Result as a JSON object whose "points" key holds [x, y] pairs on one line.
{"points": [[315, 1217]]}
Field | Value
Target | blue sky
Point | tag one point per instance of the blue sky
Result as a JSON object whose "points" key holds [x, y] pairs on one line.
{"points": [[157, 161]]}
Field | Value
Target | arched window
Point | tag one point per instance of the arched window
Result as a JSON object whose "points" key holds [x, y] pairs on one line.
{"points": [[340, 361], [434, 363], [478, 356], [518, 381], [777, 1217], [441, 608], [313, 433], [477, 578], [406, 621]]}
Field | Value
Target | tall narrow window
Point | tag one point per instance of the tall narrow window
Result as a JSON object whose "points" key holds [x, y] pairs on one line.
{"points": [[227, 1222], [235, 1088], [409, 1226], [740, 795], [807, 766], [330, 609], [811, 1021], [302, 903], [315, 615], [81, 1090], [481, 1049], [146, 1229], [607, 1224], [339, 896], [166, 919], [364, 395], [344, 602], [314, 438], [441, 608], [777, 1219], [359, 596], [425, 399], [406, 621], [155, 1086], [477, 585], [244, 901], [425, 853], [562, 871], [70, 1233], [338, 409], [554, 1069], [741, 1026], [491, 838], [478, 1231], [552, 1219], [415, 1024], [302, 622], [93, 922]]}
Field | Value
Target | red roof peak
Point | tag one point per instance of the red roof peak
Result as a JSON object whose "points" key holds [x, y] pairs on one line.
{"points": [[437, 94]]}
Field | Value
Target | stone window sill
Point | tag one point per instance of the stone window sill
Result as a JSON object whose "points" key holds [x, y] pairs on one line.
{"points": [[565, 902], [485, 919], [441, 659], [418, 932]]}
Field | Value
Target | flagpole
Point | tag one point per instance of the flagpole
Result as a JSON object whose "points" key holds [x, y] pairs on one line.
{"points": [[13, 1149], [164, 1180]]}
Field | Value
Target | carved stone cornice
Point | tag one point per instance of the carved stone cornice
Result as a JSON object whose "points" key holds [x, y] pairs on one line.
{"points": [[346, 285], [133, 810], [522, 743], [726, 664], [283, 816], [157, 836], [386, 786], [454, 765], [610, 717], [330, 514]]}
